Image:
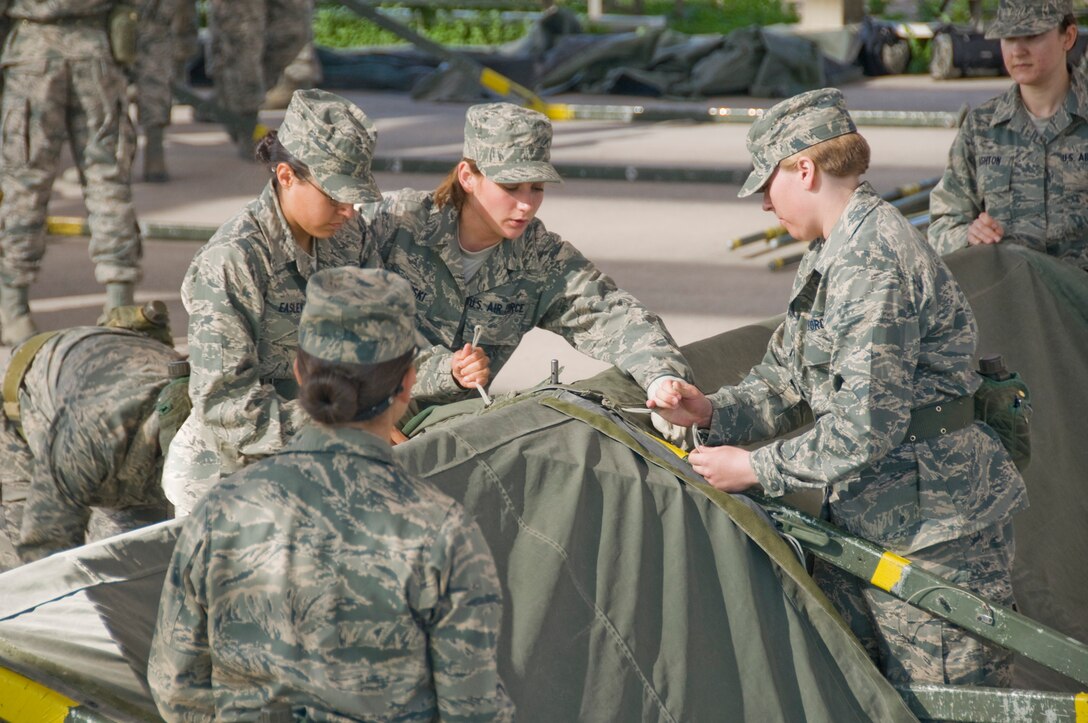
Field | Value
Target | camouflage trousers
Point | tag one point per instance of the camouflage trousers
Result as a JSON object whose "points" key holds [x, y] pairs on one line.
{"points": [[25, 538], [912, 646], [185, 35], [155, 61], [252, 42], [38, 519], [44, 104], [14, 483]]}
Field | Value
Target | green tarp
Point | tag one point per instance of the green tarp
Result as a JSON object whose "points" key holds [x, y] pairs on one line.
{"points": [[1033, 310], [632, 596]]}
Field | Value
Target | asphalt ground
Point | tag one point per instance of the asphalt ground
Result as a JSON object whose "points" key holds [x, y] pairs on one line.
{"points": [[667, 243]]}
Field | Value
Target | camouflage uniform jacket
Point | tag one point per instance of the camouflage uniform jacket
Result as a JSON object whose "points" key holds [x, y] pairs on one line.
{"points": [[87, 406], [328, 578], [59, 29], [244, 292], [1035, 185], [876, 326], [534, 280]]}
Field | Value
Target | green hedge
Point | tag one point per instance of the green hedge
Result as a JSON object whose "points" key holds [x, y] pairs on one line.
{"points": [[337, 27]]}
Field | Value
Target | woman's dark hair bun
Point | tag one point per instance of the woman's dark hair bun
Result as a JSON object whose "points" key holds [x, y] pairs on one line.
{"points": [[263, 151], [329, 398]]}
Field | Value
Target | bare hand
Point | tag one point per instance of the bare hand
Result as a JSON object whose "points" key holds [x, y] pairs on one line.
{"points": [[470, 367], [396, 437], [726, 468], [681, 403], [984, 230]]}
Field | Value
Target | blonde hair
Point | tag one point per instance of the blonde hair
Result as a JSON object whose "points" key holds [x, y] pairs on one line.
{"points": [[841, 157], [450, 190]]}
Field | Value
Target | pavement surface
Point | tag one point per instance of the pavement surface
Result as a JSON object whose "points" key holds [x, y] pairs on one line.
{"points": [[667, 243]]}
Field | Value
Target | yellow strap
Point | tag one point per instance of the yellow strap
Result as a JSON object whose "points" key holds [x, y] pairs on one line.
{"points": [[558, 111], [495, 81], [672, 447], [889, 571], [66, 226], [21, 699], [1080, 705], [13, 377]]}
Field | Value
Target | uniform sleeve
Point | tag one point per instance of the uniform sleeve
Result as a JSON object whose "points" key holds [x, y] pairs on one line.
{"points": [[955, 202], [224, 296], [396, 211], [369, 257], [585, 307], [767, 403], [434, 379], [463, 628], [875, 343], [179, 669]]}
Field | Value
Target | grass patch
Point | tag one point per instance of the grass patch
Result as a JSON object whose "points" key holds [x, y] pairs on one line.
{"points": [[958, 11], [719, 16], [338, 27]]}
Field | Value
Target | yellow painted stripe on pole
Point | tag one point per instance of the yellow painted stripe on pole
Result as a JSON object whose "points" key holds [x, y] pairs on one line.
{"points": [[24, 701], [889, 571], [495, 81], [558, 111], [1080, 705], [66, 226]]}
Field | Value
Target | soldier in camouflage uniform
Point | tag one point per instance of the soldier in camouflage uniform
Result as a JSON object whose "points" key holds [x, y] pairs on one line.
{"points": [[878, 343], [246, 287], [61, 82], [1018, 169], [88, 437], [324, 580], [252, 41], [155, 61], [186, 38], [475, 254]]}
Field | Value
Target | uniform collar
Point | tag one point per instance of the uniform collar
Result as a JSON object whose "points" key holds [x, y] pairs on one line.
{"points": [[1006, 105], [1076, 101], [1009, 107], [504, 263], [823, 252], [341, 440], [282, 248]]}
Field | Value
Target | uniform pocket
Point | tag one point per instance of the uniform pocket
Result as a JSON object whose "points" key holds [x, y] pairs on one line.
{"points": [[816, 375], [884, 503], [16, 146], [504, 318], [995, 186]]}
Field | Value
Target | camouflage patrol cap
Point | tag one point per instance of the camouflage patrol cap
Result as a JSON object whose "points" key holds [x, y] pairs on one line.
{"points": [[358, 316], [1016, 18], [510, 144], [792, 126], [335, 140]]}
